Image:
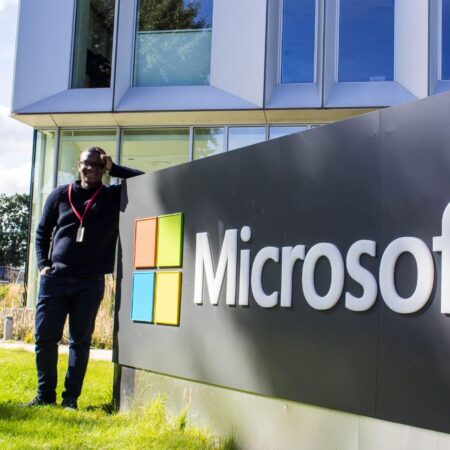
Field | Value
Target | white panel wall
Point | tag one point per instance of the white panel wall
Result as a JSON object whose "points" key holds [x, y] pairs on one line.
{"points": [[263, 423], [125, 49], [330, 57], [436, 83], [238, 48], [435, 8], [411, 45], [273, 45], [43, 53]]}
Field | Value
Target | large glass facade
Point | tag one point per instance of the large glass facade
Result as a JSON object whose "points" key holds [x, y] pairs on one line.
{"points": [[366, 40], [173, 43], [42, 186], [445, 72], [155, 148], [208, 142], [92, 54], [298, 41]]}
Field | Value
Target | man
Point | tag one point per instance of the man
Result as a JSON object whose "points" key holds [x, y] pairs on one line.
{"points": [[83, 218]]}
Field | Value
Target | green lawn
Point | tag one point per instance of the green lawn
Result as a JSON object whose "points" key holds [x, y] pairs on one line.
{"points": [[93, 425]]}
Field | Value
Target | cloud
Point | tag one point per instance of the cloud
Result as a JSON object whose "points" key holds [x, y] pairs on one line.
{"points": [[16, 141], [15, 180], [5, 3]]}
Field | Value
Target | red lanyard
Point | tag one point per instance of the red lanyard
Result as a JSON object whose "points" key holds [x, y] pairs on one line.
{"points": [[81, 217]]}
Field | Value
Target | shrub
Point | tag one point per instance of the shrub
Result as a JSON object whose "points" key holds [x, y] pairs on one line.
{"points": [[23, 330]]}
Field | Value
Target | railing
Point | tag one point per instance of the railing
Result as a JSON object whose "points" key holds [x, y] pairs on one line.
{"points": [[10, 274]]}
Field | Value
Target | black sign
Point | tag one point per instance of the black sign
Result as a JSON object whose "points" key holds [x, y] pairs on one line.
{"points": [[383, 178]]}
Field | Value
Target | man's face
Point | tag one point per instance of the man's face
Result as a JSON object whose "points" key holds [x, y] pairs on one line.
{"points": [[91, 168]]}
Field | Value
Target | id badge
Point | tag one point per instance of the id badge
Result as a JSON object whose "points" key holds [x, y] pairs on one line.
{"points": [[80, 234]]}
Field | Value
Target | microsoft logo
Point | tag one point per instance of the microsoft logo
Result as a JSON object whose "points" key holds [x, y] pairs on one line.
{"points": [[156, 293]]}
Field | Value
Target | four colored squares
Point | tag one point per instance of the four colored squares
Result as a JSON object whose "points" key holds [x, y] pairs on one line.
{"points": [[158, 245]]}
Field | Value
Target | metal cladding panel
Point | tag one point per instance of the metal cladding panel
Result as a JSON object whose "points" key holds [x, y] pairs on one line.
{"points": [[43, 53], [238, 48], [289, 192], [414, 369], [379, 177]]}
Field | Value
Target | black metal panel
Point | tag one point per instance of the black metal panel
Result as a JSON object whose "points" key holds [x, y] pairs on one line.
{"points": [[379, 177], [413, 366], [297, 190]]}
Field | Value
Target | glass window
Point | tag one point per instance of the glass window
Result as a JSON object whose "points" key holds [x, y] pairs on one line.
{"points": [[279, 131], [366, 40], [445, 40], [93, 44], [154, 149], [208, 142], [73, 142], [42, 186], [173, 43], [298, 41], [243, 136]]}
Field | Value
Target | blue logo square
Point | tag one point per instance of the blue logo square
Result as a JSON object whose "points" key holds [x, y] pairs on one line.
{"points": [[143, 296]]}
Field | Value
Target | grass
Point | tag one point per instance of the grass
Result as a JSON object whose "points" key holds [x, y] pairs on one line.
{"points": [[94, 425]]}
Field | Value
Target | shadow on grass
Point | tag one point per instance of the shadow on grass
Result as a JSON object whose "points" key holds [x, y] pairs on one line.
{"points": [[11, 411], [107, 408]]}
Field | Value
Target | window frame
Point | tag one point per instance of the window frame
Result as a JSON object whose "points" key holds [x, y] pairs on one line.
{"points": [[338, 49], [316, 42], [228, 89], [436, 83], [364, 93], [134, 59], [292, 95], [113, 52]]}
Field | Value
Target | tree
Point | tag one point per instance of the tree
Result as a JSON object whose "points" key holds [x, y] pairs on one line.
{"points": [[14, 216], [169, 15]]}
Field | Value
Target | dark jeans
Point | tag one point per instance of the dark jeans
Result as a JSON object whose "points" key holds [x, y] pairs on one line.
{"points": [[59, 297]]}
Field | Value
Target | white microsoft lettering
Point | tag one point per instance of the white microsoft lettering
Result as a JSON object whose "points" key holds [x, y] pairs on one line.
{"points": [[361, 275], [332, 253], [442, 244], [227, 261], [251, 273], [425, 275]]}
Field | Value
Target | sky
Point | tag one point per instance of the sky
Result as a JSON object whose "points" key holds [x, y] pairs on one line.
{"points": [[16, 139]]}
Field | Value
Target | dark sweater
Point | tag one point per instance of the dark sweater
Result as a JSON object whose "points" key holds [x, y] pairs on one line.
{"points": [[95, 255]]}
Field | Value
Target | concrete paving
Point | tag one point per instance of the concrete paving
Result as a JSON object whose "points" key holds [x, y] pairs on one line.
{"points": [[104, 355]]}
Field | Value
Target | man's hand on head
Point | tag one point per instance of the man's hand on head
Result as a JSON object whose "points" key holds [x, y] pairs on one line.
{"points": [[107, 160], [45, 270]]}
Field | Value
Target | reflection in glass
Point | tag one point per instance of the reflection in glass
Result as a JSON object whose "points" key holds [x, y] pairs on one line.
{"points": [[280, 131], [298, 44], [73, 142], [208, 142], [366, 40], [155, 149], [93, 44], [242, 136], [173, 43], [42, 186], [445, 40]]}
